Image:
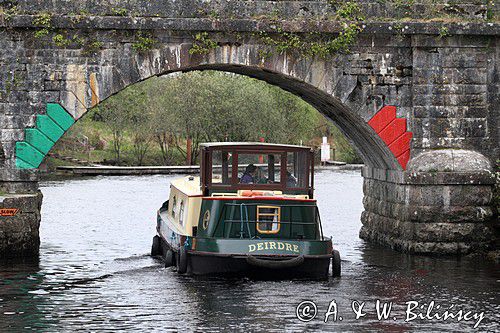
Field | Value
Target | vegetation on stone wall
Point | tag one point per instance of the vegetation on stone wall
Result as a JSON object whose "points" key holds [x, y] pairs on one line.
{"points": [[202, 44], [348, 15], [44, 22], [143, 43], [150, 122]]}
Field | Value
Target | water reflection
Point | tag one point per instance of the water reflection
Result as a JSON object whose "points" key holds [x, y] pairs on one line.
{"points": [[94, 273]]}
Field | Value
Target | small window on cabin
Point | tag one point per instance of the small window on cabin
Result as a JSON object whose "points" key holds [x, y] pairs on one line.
{"points": [[181, 213], [268, 219], [222, 167], [297, 170], [258, 168], [174, 206]]}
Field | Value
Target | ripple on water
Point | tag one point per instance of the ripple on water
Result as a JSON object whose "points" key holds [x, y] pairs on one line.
{"points": [[94, 271]]}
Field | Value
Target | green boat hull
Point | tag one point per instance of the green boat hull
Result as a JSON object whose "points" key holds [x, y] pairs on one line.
{"points": [[258, 258]]}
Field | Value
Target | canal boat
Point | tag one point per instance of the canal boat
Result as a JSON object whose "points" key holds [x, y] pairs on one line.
{"points": [[251, 212]]}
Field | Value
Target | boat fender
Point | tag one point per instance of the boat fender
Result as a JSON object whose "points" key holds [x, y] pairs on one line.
{"points": [[169, 258], [336, 263], [156, 246], [275, 264], [182, 260]]}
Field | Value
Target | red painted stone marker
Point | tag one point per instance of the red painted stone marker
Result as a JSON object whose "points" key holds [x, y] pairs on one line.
{"points": [[392, 131]]}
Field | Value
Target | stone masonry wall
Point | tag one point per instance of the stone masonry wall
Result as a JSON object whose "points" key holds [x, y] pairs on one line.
{"points": [[455, 94], [441, 205], [19, 235]]}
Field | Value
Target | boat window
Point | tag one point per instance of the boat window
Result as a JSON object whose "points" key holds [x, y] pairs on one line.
{"points": [[174, 206], [222, 167], [297, 170], [268, 219], [255, 168], [181, 213]]}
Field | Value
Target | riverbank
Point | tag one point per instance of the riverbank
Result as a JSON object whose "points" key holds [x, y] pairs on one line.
{"points": [[104, 170]]}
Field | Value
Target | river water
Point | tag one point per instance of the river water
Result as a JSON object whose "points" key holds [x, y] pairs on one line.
{"points": [[94, 273]]}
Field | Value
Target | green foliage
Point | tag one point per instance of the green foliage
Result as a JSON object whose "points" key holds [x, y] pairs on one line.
{"points": [[78, 40], [41, 33], [202, 44], [8, 13], [60, 40], [490, 14], [443, 32], [143, 43], [213, 15], [350, 11], [119, 11], [14, 83], [403, 8], [314, 44], [403, 4], [90, 47], [44, 21], [311, 44]]}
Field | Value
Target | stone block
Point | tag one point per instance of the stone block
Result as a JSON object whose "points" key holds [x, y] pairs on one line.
{"points": [[19, 234]]}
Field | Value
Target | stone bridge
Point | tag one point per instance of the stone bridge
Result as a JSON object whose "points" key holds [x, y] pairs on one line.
{"points": [[413, 84]]}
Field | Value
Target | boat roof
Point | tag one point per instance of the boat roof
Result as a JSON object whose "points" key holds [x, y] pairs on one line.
{"points": [[262, 145], [189, 185]]}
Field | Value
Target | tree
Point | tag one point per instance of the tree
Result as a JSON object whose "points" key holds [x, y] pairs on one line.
{"points": [[114, 114], [140, 125], [162, 118]]}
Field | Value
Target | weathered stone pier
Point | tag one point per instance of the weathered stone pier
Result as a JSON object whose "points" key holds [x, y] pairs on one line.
{"points": [[414, 85]]}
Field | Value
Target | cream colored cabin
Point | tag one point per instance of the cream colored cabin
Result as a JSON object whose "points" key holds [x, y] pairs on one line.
{"points": [[184, 204]]}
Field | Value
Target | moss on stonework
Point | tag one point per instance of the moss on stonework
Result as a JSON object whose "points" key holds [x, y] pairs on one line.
{"points": [[44, 21], [143, 43], [315, 44], [202, 44]]}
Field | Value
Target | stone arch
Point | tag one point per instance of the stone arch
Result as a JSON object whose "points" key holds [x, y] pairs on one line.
{"points": [[334, 95]]}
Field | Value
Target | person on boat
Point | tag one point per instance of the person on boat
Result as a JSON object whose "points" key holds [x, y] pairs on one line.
{"points": [[291, 181], [249, 174]]}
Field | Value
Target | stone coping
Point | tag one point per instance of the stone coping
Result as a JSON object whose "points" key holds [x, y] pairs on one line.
{"points": [[8, 196], [251, 25], [484, 177]]}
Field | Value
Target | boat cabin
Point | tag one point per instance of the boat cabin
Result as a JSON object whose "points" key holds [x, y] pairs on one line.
{"points": [[229, 168], [251, 211]]}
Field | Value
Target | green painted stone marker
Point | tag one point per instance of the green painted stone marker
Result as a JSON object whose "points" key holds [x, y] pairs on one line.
{"points": [[38, 140], [60, 116], [28, 154], [48, 127], [20, 164]]}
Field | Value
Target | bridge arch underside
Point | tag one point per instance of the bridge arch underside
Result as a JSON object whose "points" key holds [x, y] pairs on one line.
{"points": [[440, 204], [374, 152]]}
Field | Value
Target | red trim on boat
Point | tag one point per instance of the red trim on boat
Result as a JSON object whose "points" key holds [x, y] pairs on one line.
{"points": [[259, 198]]}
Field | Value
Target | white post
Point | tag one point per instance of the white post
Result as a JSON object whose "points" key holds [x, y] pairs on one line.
{"points": [[325, 151]]}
